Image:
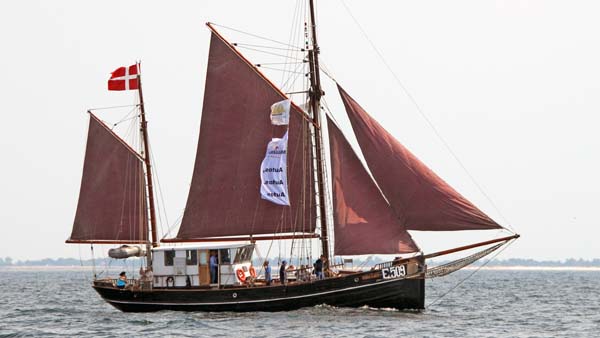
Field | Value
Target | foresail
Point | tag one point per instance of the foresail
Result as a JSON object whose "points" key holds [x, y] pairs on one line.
{"points": [[111, 205], [421, 199], [224, 197], [364, 223]]}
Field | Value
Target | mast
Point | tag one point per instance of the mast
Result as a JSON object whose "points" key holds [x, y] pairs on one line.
{"points": [[144, 129], [315, 94]]}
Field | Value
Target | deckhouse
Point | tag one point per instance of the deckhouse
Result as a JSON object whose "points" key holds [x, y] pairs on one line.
{"points": [[189, 266]]}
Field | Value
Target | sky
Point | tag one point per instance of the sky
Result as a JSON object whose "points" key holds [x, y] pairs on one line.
{"points": [[512, 87]]}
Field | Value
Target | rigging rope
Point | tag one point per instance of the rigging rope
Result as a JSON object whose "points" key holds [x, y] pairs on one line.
{"points": [[125, 118], [448, 268], [280, 70], [278, 63], [287, 85], [113, 107], [172, 226], [293, 40], [472, 273], [425, 117], [241, 44], [327, 73], [162, 212], [271, 53], [81, 262], [253, 35]]}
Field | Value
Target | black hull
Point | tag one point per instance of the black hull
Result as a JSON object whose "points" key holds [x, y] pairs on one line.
{"points": [[355, 290]]}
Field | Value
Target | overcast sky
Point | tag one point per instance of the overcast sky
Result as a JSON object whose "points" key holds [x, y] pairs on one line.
{"points": [[512, 86]]}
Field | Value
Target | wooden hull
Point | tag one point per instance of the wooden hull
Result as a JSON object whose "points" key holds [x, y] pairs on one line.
{"points": [[355, 290]]}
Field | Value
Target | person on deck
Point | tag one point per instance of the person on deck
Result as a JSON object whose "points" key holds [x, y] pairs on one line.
{"points": [[122, 281], [282, 273], [267, 272], [146, 274], [319, 267], [214, 266], [302, 273]]}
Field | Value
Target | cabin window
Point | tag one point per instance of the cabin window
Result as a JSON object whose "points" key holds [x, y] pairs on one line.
{"points": [[237, 253], [191, 257], [249, 250], [169, 255], [243, 254], [225, 257], [203, 257]]}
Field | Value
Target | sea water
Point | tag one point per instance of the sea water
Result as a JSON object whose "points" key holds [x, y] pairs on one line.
{"points": [[489, 303]]}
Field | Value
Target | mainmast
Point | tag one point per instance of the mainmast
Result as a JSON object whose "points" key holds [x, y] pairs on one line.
{"points": [[315, 94], [144, 130]]}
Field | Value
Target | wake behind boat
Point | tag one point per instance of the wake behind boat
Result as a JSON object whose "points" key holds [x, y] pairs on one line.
{"points": [[241, 194]]}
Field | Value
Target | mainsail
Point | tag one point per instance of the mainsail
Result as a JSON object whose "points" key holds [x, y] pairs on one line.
{"points": [[364, 223], [111, 207], [224, 198], [420, 198]]}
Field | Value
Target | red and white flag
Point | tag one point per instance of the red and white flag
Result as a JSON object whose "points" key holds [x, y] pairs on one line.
{"points": [[124, 78]]}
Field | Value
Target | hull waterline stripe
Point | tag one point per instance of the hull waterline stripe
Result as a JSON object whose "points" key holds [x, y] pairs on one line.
{"points": [[263, 300]]}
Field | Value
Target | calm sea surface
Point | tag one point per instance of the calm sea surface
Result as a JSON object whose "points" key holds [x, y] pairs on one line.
{"points": [[40, 303]]}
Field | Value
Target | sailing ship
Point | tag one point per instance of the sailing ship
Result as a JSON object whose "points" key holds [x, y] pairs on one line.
{"points": [[372, 204]]}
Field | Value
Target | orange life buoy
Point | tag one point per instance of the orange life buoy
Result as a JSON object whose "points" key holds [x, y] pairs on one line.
{"points": [[252, 272], [240, 275]]}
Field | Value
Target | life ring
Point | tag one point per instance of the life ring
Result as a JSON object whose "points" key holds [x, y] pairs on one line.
{"points": [[240, 275], [252, 272], [170, 280]]}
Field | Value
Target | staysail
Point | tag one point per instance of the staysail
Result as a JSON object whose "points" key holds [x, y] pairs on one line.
{"points": [[224, 197], [111, 207], [420, 198], [364, 223]]}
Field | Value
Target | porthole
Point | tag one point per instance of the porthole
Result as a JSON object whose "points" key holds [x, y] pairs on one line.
{"points": [[234, 295]]}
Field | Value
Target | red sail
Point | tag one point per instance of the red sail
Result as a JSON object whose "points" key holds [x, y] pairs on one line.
{"points": [[364, 223], [224, 198], [111, 205], [421, 199]]}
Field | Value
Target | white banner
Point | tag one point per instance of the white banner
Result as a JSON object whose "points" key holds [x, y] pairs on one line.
{"points": [[273, 172], [280, 113]]}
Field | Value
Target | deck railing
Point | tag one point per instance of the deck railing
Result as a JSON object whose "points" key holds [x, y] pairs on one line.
{"points": [[131, 283]]}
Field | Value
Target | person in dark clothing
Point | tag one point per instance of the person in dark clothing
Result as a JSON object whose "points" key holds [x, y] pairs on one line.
{"points": [[319, 267], [282, 274]]}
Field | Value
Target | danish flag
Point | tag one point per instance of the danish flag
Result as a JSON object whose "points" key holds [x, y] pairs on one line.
{"points": [[124, 78]]}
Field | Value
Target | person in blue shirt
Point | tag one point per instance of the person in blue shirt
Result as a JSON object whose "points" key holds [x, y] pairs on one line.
{"points": [[267, 272], [122, 281], [214, 266]]}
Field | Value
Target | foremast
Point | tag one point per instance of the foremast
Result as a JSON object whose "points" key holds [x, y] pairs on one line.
{"points": [[148, 164], [315, 93]]}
